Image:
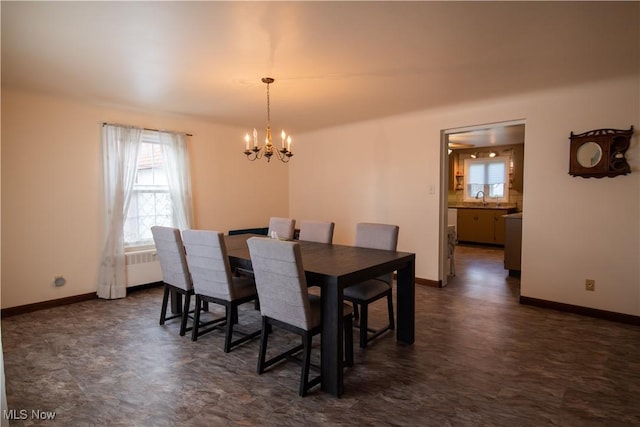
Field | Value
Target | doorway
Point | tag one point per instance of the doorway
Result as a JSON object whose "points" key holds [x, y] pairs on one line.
{"points": [[465, 151], [480, 274]]}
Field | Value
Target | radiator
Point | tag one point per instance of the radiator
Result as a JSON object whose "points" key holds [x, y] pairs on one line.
{"points": [[142, 267]]}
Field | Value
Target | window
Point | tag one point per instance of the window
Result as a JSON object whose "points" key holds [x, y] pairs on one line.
{"points": [[488, 176], [146, 183], [150, 202]]}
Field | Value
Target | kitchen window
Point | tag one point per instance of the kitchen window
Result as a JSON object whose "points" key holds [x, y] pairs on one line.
{"points": [[489, 176]]}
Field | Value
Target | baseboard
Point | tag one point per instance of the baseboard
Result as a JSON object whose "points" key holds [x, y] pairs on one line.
{"points": [[424, 282], [430, 283], [143, 287], [28, 308], [585, 311]]}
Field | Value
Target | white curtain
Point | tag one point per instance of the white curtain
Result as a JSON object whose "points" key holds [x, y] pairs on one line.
{"points": [[174, 149], [120, 146]]}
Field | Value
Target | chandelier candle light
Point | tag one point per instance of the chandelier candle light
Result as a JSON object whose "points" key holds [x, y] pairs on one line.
{"points": [[284, 154]]}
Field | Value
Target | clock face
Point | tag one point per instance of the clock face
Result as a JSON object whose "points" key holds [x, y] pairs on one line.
{"points": [[589, 154]]}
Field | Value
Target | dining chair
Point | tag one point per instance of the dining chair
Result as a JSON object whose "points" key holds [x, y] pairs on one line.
{"points": [[316, 231], [374, 236], [175, 272], [285, 303], [283, 227], [213, 282]]}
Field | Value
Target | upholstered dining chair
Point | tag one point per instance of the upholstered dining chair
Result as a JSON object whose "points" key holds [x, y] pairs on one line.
{"points": [[316, 231], [285, 303], [175, 272], [374, 236], [213, 282], [284, 227]]}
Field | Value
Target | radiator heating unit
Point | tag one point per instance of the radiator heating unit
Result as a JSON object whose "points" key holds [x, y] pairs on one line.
{"points": [[142, 267]]}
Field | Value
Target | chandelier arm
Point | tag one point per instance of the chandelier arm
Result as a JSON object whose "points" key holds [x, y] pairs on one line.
{"points": [[278, 155], [255, 156], [285, 155]]}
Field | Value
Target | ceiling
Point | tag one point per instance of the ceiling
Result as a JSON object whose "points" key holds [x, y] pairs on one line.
{"points": [[333, 62], [491, 136]]}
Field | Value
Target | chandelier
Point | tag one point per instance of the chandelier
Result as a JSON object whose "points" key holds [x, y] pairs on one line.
{"points": [[253, 153]]}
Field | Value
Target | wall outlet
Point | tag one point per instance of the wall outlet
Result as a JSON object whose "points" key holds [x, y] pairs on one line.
{"points": [[590, 285]]}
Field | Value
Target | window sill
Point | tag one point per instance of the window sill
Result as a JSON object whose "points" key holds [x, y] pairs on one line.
{"points": [[139, 248]]}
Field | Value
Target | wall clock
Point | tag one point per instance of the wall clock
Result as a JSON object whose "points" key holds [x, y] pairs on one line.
{"points": [[599, 153]]}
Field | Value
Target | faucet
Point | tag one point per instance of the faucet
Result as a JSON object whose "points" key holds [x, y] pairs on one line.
{"points": [[484, 202]]}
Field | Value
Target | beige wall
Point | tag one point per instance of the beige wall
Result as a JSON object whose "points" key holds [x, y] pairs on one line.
{"points": [[52, 199], [381, 170], [573, 228]]}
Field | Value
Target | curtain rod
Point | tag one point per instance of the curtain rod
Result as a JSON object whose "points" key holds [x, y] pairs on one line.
{"points": [[153, 130]]}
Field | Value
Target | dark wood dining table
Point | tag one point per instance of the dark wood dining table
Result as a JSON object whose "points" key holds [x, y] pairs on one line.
{"points": [[333, 268]]}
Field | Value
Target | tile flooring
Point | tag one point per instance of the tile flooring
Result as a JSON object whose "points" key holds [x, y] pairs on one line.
{"points": [[480, 359]]}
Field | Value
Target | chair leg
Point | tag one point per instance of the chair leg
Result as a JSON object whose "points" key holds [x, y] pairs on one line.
{"points": [[348, 341], [356, 315], [392, 323], [364, 325], [185, 314], [264, 336], [232, 317], [165, 303], [196, 319], [306, 363]]}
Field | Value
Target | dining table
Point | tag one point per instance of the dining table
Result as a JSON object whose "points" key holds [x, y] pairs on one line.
{"points": [[334, 267]]}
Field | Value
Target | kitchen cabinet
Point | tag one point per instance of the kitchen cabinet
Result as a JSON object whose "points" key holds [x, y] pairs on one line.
{"points": [[482, 225], [513, 243], [455, 172], [516, 174]]}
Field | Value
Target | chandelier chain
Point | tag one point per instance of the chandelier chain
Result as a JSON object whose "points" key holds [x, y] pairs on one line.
{"points": [[268, 107]]}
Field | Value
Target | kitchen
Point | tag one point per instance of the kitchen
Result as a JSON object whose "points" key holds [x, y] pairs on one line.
{"points": [[485, 196]]}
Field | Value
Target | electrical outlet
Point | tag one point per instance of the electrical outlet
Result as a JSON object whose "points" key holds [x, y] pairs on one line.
{"points": [[590, 285]]}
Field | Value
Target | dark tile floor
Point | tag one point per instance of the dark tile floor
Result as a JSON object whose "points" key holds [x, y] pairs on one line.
{"points": [[480, 358]]}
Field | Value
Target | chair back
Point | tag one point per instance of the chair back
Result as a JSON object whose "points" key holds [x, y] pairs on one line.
{"points": [[171, 253], [285, 227], [208, 263], [316, 231], [280, 281], [378, 236]]}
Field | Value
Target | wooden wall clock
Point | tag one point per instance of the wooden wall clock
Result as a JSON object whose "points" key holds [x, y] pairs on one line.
{"points": [[598, 153]]}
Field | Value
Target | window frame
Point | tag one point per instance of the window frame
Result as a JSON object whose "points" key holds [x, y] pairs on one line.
{"points": [[148, 137]]}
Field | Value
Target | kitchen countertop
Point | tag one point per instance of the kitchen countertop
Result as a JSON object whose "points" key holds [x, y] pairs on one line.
{"points": [[468, 205], [517, 215]]}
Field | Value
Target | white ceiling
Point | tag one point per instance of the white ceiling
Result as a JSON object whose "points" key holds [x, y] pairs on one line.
{"points": [[334, 62], [491, 136]]}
